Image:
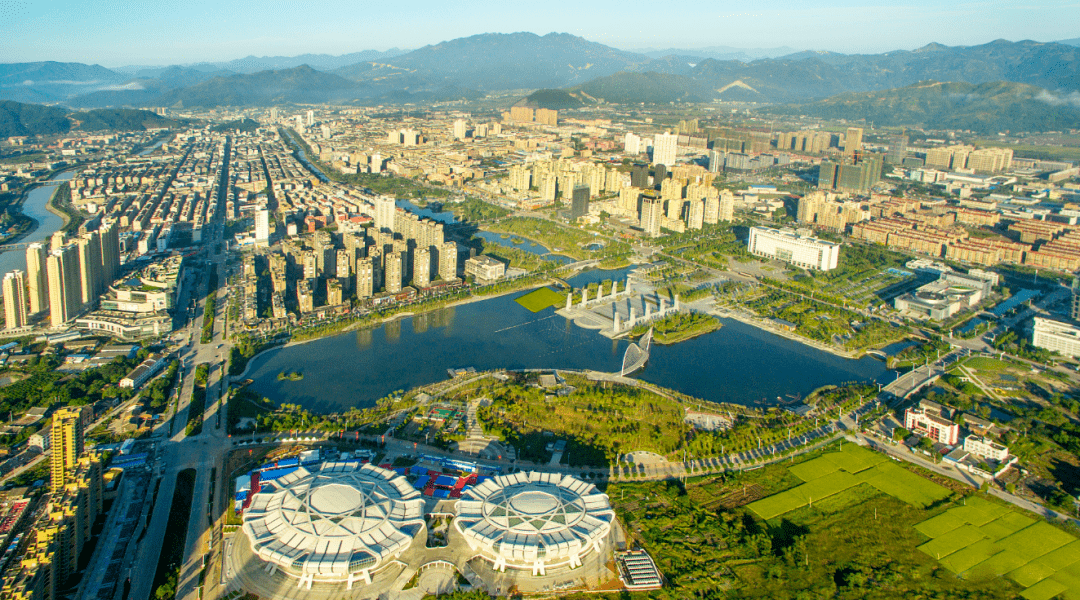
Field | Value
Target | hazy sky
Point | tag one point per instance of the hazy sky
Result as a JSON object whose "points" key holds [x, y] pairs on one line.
{"points": [[124, 32]]}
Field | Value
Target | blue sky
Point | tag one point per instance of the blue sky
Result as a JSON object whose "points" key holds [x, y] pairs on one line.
{"points": [[119, 32]]}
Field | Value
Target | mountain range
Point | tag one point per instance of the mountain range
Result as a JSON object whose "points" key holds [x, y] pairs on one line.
{"points": [[18, 119], [468, 67], [986, 108]]}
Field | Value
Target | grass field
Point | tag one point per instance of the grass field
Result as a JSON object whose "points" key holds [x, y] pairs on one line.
{"points": [[539, 299], [995, 540], [983, 363], [835, 472]]}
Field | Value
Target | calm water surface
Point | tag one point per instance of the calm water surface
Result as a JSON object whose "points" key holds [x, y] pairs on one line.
{"points": [[738, 363]]}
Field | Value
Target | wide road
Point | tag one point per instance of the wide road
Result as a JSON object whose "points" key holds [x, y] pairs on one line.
{"points": [[202, 452]]}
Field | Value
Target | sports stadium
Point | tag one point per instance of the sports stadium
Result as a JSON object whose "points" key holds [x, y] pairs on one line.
{"points": [[333, 521], [534, 521]]}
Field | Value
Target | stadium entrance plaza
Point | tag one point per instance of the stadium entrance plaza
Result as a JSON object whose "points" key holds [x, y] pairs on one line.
{"points": [[243, 570]]}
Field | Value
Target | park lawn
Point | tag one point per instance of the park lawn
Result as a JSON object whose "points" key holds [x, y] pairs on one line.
{"points": [[965, 558], [539, 299], [983, 363], [940, 525], [813, 469]]}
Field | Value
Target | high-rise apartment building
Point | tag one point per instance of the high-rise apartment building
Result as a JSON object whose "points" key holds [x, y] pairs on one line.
{"points": [[853, 140], [310, 118], [262, 226], [579, 206], [110, 253], [393, 268], [421, 271], [448, 260], [665, 147], [546, 116], [90, 266], [458, 130], [384, 213], [65, 294], [365, 278], [631, 143], [37, 278], [696, 217], [652, 211], [68, 426], [15, 300]]}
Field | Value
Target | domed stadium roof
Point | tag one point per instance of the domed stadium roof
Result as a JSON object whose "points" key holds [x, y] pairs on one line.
{"points": [[333, 520], [534, 520]]}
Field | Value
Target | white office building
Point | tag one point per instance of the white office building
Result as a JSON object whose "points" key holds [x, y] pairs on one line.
{"points": [[790, 247], [1056, 336], [665, 147], [985, 448]]}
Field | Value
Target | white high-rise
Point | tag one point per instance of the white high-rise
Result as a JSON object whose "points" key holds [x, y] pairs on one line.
{"points": [[631, 143], [15, 300], [37, 278], [665, 146], [262, 226], [459, 129], [310, 118], [384, 213]]}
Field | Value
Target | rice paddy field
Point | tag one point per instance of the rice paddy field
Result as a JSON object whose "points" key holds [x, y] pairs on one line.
{"points": [[976, 539], [982, 539], [838, 471]]}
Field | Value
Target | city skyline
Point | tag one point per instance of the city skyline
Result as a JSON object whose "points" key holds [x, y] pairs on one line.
{"points": [[107, 33]]}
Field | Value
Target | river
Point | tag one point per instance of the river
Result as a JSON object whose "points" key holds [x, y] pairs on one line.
{"points": [[47, 223], [737, 363]]}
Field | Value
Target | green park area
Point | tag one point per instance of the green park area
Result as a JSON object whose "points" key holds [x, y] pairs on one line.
{"points": [[568, 241], [679, 326], [539, 299]]}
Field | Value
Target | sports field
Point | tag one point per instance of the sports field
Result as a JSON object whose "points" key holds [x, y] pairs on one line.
{"points": [[838, 471], [539, 299], [983, 539]]}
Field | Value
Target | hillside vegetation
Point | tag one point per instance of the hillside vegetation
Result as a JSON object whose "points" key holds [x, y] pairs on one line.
{"points": [[985, 108]]}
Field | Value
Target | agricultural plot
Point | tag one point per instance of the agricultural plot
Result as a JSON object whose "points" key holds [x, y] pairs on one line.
{"points": [[904, 485], [838, 471], [539, 299], [994, 541]]}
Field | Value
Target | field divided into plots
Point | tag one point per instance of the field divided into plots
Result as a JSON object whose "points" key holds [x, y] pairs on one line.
{"points": [[839, 471], [982, 539]]}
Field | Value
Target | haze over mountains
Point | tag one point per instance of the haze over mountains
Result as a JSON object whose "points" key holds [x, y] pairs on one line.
{"points": [[592, 72]]}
